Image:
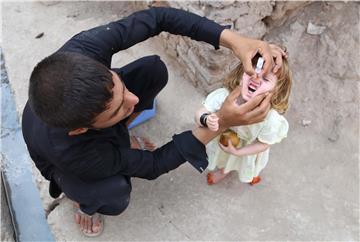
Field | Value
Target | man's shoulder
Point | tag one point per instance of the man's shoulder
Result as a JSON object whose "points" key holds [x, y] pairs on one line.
{"points": [[86, 44]]}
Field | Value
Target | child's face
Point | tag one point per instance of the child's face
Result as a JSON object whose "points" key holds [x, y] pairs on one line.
{"points": [[252, 87]]}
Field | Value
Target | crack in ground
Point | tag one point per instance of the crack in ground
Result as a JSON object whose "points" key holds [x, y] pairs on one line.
{"points": [[161, 209], [178, 229]]}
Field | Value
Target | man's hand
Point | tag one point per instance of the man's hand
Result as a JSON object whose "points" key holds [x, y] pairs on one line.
{"points": [[246, 48], [278, 54], [253, 111]]}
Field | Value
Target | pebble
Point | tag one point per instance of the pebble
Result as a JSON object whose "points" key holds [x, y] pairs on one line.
{"points": [[315, 29], [305, 122], [39, 35], [333, 137]]}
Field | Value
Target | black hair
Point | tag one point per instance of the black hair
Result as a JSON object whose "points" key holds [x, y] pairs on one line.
{"points": [[68, 90]]}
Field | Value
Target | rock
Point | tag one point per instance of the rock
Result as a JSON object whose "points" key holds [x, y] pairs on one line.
{"points": [[333, 137], [305, 122], [315, 29], [215, 4], [39, 35], [297, 27], [50, 3], [283, 10], [334, 132]]}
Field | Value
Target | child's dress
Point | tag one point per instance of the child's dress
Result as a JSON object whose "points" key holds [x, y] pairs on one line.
{"points": [[270, 131]]}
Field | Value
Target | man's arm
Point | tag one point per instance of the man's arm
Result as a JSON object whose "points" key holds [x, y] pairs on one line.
{"points": [[102, 42], [100, 159]]}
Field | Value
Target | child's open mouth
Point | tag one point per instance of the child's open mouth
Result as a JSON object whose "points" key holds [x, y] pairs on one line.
{"points": [[252, 87]]}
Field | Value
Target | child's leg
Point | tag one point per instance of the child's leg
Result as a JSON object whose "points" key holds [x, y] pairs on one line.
{"points": [[216, 176]]}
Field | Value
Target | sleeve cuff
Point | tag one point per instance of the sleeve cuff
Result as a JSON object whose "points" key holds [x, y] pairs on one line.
{"points": [[192, 150], [212, 31]]}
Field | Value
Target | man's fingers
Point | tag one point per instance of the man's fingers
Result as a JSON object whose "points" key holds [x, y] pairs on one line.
{"points": [[256, 115], [248, 67], [235, 93], [259, 113], [277, 48], [278, 54], [278, 61], [267, 67], [265, 53], [252, 103], [265, 104], [267, 99]]}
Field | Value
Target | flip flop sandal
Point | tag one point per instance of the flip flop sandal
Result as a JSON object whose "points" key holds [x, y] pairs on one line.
{"points": [[96, 217]]}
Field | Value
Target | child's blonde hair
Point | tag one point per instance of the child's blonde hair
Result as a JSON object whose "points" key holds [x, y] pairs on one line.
{"points": [[282, 89]]}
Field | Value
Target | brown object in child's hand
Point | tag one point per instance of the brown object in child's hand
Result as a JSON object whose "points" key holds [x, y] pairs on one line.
{"points": [[229, 135]]}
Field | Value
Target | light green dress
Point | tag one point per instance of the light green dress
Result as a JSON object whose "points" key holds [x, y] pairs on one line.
{"points": [[270, 131]]}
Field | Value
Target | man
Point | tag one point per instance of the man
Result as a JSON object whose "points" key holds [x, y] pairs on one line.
{"points": [[75, 121]]}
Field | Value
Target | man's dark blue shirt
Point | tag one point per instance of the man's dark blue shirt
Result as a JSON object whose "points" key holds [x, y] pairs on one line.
{"points": [[98, 154]]}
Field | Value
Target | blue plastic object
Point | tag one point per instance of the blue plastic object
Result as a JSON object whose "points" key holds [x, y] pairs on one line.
{"points": [[144, 116]]}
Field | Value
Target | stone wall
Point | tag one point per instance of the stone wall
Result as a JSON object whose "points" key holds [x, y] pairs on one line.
{"points": [[204, 66]]}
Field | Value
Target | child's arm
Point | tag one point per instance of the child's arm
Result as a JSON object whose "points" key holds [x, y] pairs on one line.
{"points": [[211, 119], [251, 149]]}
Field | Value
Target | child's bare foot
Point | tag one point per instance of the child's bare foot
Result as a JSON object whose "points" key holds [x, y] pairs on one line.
{"points": [[90, 225], [255, 180], [216, 176], [141, 143]]}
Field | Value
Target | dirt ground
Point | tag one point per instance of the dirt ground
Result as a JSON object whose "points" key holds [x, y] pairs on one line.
{"points": [[310, 188]]}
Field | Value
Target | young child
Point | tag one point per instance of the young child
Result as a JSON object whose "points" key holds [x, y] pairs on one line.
{"points": [[251, 154]]}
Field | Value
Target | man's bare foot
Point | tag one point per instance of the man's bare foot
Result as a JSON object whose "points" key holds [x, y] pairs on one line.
{"points": [[141, 143], [90, 225], [216, 176]]}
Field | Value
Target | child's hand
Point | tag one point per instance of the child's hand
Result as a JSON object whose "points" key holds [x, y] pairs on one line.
{"points": [[212, 122], [230, 148]]}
